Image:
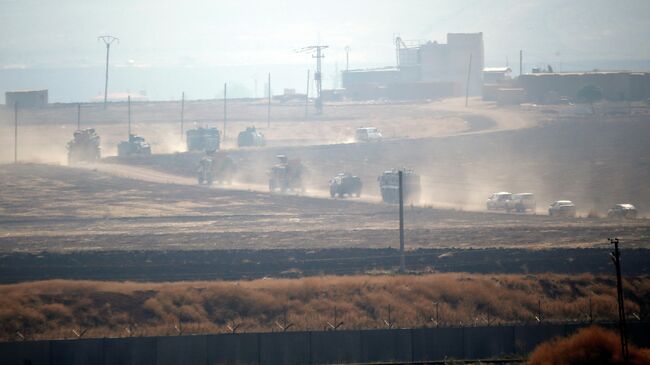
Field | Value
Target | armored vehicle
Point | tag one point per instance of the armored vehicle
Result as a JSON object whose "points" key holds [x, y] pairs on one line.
{"points": [[286, 175], [216, 167], [203, 139], [345, 184], [84, 146], [499, 201], [135, 146], [251, 138], [389, 186], [522, 202], [368, 134]]}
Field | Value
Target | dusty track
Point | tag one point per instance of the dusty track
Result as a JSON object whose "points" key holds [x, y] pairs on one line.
{"points": [[60, 209]]}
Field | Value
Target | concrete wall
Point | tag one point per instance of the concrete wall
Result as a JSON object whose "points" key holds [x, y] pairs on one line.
{"points": [[617, 86], [329, 347]]}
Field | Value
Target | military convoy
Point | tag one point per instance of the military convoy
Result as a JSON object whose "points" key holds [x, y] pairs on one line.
{"points": [[203, 139], [216, 167], [389, 186], [345, 184], [251, 138], [286, 175], [84, 146], [135, 146]]}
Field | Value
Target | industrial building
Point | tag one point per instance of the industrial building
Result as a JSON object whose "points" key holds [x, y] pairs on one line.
{"points": [[615, 86], [26, 99], [425, 70]]}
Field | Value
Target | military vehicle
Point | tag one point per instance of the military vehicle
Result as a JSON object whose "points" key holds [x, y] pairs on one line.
{"points": [[499, 201], [345, 184], [389, 186], [522, 202], [216, 167], [286, 175], [84, 146], [368, 134], [251, 138], [203, 139], [135, 146]]}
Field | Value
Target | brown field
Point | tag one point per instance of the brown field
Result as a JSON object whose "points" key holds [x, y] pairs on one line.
{"points": [[53, 208], [52, 309]]}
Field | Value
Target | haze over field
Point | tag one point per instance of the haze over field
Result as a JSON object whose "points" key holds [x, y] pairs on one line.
{"points": [[165, 48]]}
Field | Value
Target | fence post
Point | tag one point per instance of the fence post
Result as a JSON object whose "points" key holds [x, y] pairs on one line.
{"points": [[259, 348], [309, 348], [462, 332], [412, 347]]}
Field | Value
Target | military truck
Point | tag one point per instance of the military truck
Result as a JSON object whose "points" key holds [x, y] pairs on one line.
{"points": [[389, 186], [216, 167], [203, 139], [345, 184], [84, 146], [135, 146], [286, 175], [251, 138]]}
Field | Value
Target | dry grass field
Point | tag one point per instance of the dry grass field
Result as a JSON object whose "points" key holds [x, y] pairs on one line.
{"points": [[54, 208], [52, 309]]}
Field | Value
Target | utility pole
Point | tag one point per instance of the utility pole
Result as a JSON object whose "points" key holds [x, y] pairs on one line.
{"points": [[107, 39], [129, 103], [225, 109], [616, 258], [182, 114], [307, 97], [318, 77], [15, 132], [78, 116], [347, 58], [268, 114], [521, 62], [469, 72], [401, 223]]}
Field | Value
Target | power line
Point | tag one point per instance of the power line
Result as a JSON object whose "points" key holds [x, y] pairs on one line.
{"points": [[108, 40], [318, 77], [616, 257], [15, 132]]}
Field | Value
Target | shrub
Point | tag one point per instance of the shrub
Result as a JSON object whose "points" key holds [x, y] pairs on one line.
{"points": [[592, 345]]}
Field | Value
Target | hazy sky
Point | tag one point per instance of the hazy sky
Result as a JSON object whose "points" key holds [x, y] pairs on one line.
{"points": [[258, 35], [62, 33]]}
